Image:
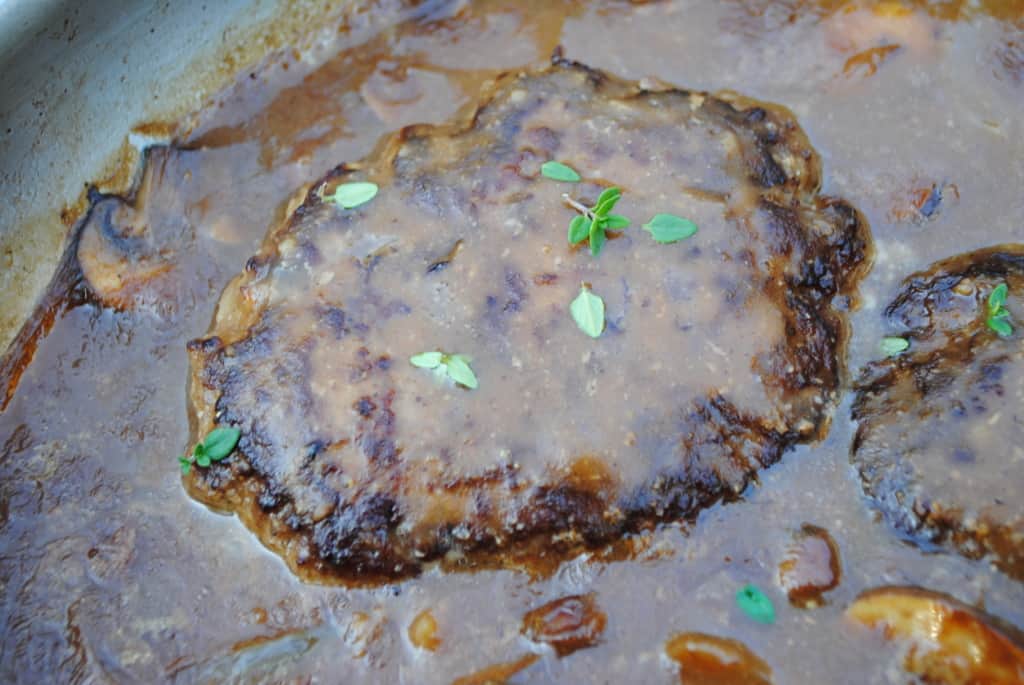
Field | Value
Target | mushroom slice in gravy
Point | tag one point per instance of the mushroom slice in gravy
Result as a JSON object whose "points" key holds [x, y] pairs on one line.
{"points": [[718, 352], [939, 446], [946, 641]]}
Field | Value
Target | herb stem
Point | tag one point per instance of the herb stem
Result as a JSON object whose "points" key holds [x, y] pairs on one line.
{"points": [[582, 209]]}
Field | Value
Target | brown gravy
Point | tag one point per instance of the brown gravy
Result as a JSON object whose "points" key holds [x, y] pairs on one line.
{"points": [[110, 572]]}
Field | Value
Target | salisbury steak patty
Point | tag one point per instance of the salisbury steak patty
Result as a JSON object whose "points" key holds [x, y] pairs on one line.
{"points": [[719, 352], [940, 445]]}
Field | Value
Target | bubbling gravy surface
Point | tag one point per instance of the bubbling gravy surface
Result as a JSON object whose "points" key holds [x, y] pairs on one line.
{"points": [[111, 572]]}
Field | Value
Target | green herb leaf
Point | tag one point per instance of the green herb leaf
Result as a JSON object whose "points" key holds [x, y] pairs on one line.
{"points": [[891, 346], [588, 312], [597, 236], [998, 315], [997, 298], [668, 228], [220, 442], [1000, 325], [459, 371], [426, 360], [579, 229], [351, 195], [615, 222], [203, 459], [606, 200], [755, 604], [557, 171], [186, 465], [199, 450]]}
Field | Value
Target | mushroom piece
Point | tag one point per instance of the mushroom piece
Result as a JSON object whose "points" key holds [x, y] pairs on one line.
{"points": [[710, 660], [567, 624], [947, 641]]}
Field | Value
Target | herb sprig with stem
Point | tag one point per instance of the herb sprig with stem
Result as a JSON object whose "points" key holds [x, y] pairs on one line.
{"points": [[998, 318], [217, 445], [593, 222]]}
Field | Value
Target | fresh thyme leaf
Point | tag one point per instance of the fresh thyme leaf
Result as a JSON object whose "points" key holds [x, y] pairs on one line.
{"points": [[426, 360], [615, 222], [668, 228], [998, 315], [606, 200], [579, 229], [454, 366], [997, 298], [220, 442], [597, 236], [588, 312], [351, 195], [1001, 326], [891, 346], [755, 604], [459, 371], [557, 171]]}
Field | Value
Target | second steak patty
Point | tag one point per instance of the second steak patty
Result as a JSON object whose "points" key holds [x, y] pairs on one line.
{"points": [[940, 441]]}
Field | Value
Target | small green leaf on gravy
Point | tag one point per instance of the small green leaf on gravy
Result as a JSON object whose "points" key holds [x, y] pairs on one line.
{"points": [[459, 371], [220, 442], [606, 201], [351, 195], [454, 366], [755, 604], [588, 312], [426, 360], [579, 229], [668, 228], [615, 222], [1001, 326], [998, 318], [597, 236], [891, 346], [997, 298], [557, 171]]}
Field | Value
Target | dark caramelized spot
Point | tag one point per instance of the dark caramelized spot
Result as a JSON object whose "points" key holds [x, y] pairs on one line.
{"points": [[709, 660], [566, 624]]}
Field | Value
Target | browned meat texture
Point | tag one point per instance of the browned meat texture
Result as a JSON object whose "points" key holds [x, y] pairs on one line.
{"points": [[719, 353], [940, 444]]}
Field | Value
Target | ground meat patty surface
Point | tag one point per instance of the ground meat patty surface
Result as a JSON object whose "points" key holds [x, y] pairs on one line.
{"points": [[720, 351], [940, 445]]}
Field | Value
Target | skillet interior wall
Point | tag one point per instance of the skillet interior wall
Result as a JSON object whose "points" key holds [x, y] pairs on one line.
{"points": [[76, 76]]}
